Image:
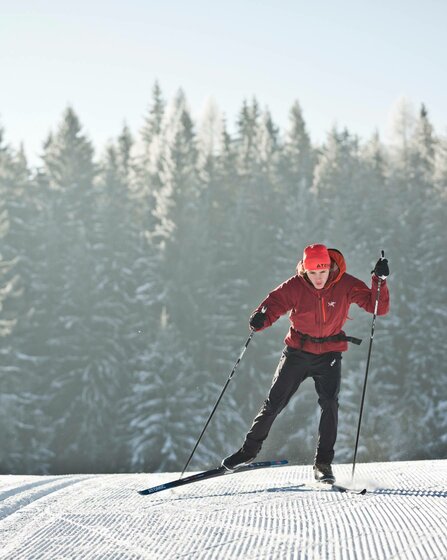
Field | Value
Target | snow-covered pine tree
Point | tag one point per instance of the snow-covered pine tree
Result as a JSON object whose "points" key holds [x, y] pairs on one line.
{"points": [[9, 400], [296, 170], [8, 278], [165, 410], [154, 118], [123, 268], [24, 426], [337, 189], [438, 448], [223, 325], [81, 375], [146, 179], [176, 239], [424, 384]]}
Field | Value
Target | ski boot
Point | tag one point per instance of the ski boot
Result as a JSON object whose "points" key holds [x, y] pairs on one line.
{"points": [[238, 459], [323, 473]]}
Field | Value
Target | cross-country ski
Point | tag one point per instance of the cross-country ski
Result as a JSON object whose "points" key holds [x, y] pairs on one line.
{"points": [[212, 473], [327, 487]]}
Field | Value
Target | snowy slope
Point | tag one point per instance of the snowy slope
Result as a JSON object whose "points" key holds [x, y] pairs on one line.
{"points": [[258, 515]]}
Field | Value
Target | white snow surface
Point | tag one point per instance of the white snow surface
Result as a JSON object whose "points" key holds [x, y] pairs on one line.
{"points": [[252, 515]]}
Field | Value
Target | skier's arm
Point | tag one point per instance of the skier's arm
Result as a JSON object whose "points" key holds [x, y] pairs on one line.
{"points": [[366, 297], [279, 301]]}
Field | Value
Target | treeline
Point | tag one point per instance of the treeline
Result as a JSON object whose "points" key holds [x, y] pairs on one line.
{"points": [[126, 282]]}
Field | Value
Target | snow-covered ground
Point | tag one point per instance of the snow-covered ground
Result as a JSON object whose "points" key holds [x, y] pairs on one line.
{"points": [[256, 515]]}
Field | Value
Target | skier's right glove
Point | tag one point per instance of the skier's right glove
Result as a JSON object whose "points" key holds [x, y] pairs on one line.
{"points": [[257, 320]]}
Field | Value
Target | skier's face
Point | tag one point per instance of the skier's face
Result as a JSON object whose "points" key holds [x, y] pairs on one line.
{"points": [[318, 277]]}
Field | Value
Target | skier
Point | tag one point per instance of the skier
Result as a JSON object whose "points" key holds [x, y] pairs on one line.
{"points": [[318, 298]]}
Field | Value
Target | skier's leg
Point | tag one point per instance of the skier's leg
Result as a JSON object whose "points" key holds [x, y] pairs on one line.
{"points": [[291, 371], [327, 376]]}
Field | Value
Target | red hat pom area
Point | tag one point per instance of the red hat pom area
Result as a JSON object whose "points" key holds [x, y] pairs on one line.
{"points": [[316, 257]]}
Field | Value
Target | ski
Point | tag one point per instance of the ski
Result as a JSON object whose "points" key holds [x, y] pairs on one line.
{"points": [[344, 489], [205, 475], [325, 485]]}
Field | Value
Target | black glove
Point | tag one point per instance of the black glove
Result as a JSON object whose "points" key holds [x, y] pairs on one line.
{"points": [[381, 269], [257, 320]]}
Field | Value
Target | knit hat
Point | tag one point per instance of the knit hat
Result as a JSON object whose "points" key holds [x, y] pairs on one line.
{"points": [[316, 257]]}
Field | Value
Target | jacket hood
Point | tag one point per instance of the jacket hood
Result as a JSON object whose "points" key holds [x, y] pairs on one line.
{"points": [[338, 268]]}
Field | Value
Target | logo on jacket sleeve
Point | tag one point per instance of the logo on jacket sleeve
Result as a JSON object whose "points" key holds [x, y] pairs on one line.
{"points": [[331, 303]]}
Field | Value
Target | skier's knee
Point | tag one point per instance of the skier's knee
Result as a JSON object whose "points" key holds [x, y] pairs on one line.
{"points": [[271, 408], [328, 403]]}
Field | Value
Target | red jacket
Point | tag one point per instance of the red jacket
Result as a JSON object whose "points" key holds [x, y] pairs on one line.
{"points": [[322, 313]]}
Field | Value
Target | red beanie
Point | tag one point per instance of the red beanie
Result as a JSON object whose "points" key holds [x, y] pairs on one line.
{"points": [[316, 257]]}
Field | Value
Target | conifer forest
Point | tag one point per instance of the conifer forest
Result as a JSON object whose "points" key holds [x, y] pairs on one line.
{"points": [[128, 273]]}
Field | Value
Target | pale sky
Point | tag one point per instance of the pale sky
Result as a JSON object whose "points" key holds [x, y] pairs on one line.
{"points": [[346, 61]]}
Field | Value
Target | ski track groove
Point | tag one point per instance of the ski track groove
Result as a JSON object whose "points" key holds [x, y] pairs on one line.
{"points": [[11, 501], [5, 493], [260, 515]]}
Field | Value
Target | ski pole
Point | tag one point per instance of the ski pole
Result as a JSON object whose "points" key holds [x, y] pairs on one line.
{"points": [[373, 325], [264, 309]]}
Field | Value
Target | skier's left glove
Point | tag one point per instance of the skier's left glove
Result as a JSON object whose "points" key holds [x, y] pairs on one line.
{"points": [[381, 269]]}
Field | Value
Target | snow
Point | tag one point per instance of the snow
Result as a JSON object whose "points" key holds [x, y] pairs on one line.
{"points": [[265, 514]]}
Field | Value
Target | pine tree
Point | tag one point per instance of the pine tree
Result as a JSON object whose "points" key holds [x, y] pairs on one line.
{"points": [[9, 401], [146, 180], [176, 230], [8, 279], [438, 443], [297, 169], [168, 375], [82, 377], [154, 119], [336, 186], [24, 426], [168, 407], [422, 388], [120, 269], [223, 324]]}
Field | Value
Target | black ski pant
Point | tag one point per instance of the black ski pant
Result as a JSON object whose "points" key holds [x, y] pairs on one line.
{"points": [[294, 367]]}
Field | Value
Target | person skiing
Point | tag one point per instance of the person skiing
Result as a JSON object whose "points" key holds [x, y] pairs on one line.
{"points": [[318, 299]]}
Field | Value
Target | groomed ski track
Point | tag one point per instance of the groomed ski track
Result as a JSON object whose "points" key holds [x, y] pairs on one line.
{"points": [[264, 514]]}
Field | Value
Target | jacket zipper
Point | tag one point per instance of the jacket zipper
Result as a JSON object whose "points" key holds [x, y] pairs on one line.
{"points": [[323, 309], [322, 314]]}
